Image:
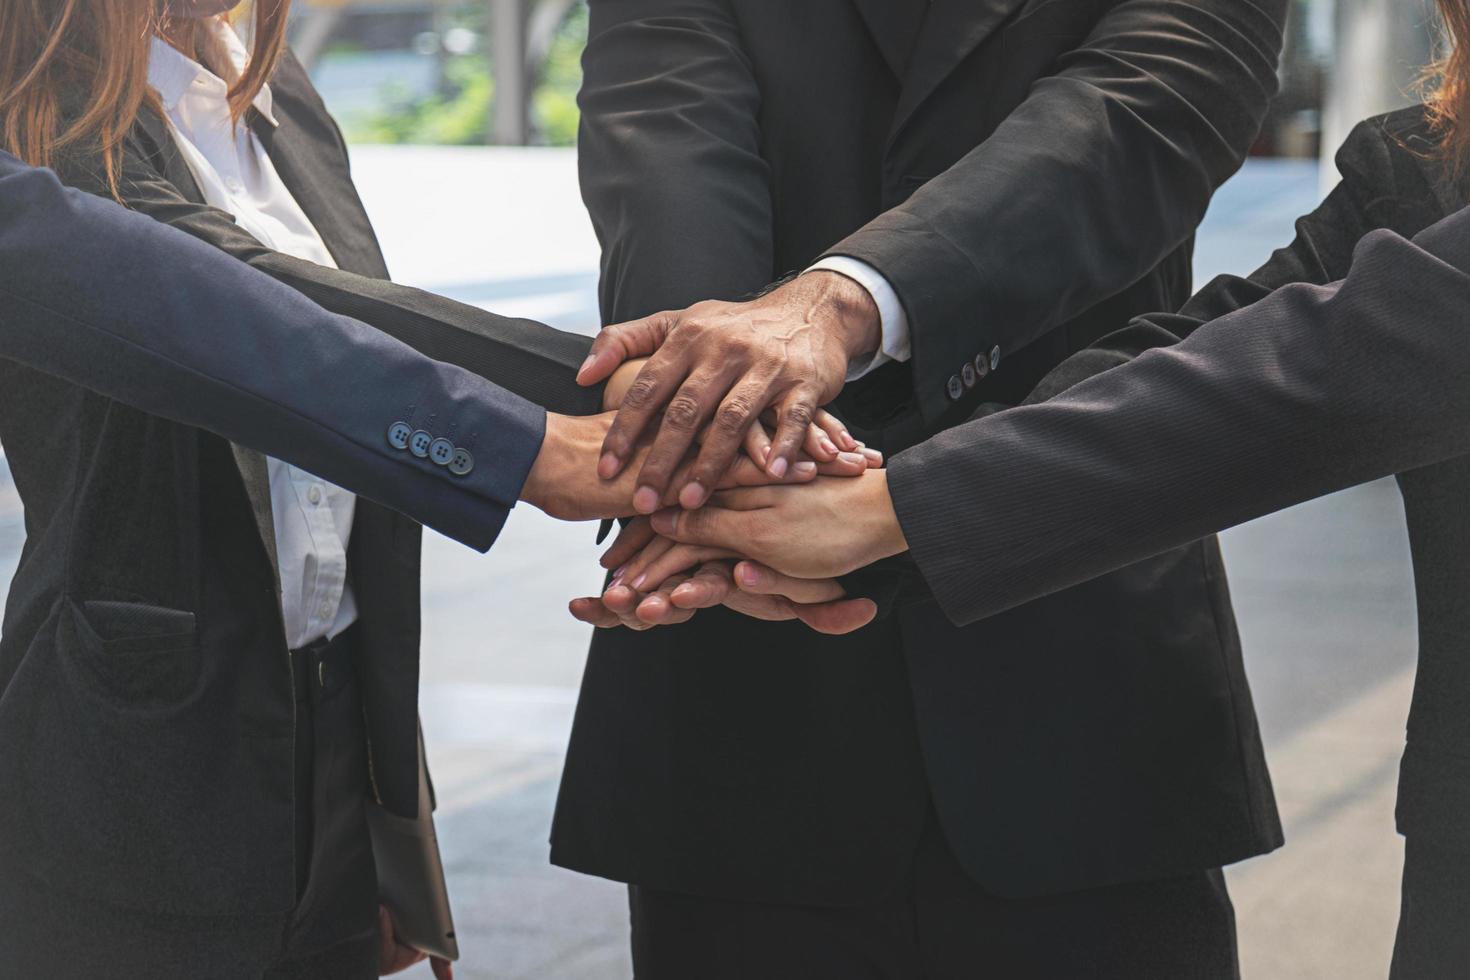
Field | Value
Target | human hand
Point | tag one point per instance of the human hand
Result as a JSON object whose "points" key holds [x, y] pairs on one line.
{"points": [[820, 604], [723, 365], [826, 439], [823, 530], [394, 957], [563, 480]]}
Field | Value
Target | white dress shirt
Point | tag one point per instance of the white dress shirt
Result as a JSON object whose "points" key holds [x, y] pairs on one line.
{"points": [[893, 319], [313, 518]]}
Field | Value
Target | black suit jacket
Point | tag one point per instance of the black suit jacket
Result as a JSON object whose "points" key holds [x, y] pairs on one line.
{"points": [[1272, 398], [147, 710], [1028, 174]]}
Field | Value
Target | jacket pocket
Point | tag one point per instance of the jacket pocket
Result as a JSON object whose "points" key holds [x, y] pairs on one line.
{"points": [[138, 654]]}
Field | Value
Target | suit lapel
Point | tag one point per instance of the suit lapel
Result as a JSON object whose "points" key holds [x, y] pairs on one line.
{"points": [[895, 26], [953, 29]]}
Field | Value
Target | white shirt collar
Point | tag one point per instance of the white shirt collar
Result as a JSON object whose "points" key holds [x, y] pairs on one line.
{"points": [[172, 73]]}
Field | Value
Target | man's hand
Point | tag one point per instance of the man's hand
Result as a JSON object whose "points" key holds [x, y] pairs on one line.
{"points": [[823, 530], [723, 365], [563, 481], [394, 957]]}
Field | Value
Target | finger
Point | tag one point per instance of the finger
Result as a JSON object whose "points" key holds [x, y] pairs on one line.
{"points": [[593, 611], [772, 608], [393, 956], [818, 444], [836, 431], [642, 405], [633, 538], [633, 572], [713, 526], [837, 618], [728, 430], [685, 415], [658, 609], [709, 586], [874, 457], [680, 558], [762, 580], [621, 342], [621, 600], [795, 418], [747, 473], [846, 464], [757, 443], [443, 969]]}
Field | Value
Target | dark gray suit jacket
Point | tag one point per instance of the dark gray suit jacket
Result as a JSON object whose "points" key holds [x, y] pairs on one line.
{"points": [[1357, 366], [1028, 174]]}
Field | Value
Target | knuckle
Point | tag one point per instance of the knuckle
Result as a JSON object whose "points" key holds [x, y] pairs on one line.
{"points": [[734, 416], [683, 412], [642, 392], [799, 415]]}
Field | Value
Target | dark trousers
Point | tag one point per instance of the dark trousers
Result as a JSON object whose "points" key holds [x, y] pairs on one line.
{"points": [[941, 925], [1434, 918], [332, 933]]}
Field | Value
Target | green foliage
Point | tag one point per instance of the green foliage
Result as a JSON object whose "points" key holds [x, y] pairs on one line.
{"points": [[460, 112]]}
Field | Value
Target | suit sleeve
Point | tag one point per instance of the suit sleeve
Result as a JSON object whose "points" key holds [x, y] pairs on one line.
{"points": [[669, 154], [1311, 390], [1041, 221], [146, 315], [527, 358]]}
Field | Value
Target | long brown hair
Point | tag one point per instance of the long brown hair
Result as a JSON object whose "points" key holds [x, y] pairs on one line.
{"points": [[75, 72], [1448, 86]]}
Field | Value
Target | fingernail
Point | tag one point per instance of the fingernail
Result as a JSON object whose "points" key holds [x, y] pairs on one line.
{"points": [[857, 458], [805, 469], [873, 455], [778, 468], [683, 590], [692, 495], [765, 454], [828, 445], [638, 582], [591, 360], [749, 576], [618, 573], [663, 522], [607, 466], [848, 442], [645, 501]]}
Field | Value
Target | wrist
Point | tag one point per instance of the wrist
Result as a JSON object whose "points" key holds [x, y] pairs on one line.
{"points": [[849, 310], [536, 490], [887, 534]]}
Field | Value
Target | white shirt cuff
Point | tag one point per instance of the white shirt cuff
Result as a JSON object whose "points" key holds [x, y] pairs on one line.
{"points": [[893, 319]]}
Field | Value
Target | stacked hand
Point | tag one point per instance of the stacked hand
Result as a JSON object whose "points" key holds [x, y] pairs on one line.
{"points": [[714, 372]]}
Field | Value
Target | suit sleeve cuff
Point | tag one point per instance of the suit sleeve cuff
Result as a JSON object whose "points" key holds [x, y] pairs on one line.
{"points": [[893, 319]]}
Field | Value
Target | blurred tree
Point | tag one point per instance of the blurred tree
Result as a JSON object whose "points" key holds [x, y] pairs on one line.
{"points": [[460, 111]]}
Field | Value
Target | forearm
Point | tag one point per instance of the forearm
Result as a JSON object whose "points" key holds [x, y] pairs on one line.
{"points": [[1101, 172], [140, 313], [1309, 391]]}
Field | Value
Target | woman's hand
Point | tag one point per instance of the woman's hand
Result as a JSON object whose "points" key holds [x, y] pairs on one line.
{"points": [[823, 530]]}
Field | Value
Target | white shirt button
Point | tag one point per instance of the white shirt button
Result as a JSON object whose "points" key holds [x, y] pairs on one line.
{"points": [[314, 495], [325, 609]]}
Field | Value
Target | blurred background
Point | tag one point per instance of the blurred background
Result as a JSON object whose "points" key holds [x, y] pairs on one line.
{"points": [[478, 101]]}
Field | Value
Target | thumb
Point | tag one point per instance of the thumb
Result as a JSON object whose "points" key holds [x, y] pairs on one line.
{"points": [[621, 342], [837, 618]]}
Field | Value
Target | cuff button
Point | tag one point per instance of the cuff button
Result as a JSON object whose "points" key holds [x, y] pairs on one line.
{"points": [[462, 463], [441, 451], [956, 388], [982, 365], [398, 434], [994, 358], [968, 373], [419, 443]]}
